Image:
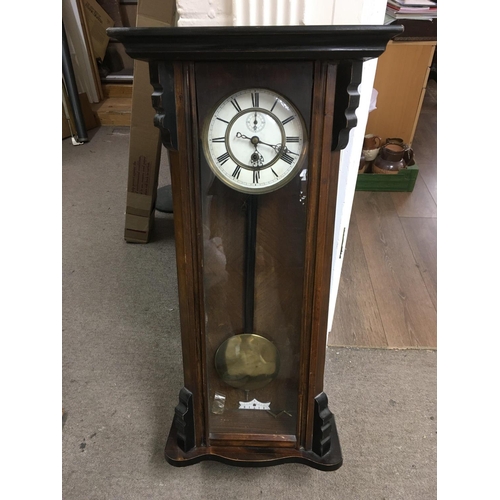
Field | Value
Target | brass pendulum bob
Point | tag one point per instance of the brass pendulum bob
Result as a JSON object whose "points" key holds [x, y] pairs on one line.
{"points": [[248, 361]]}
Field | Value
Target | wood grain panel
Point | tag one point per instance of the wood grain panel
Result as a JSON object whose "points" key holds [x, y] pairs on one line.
{"points": [[406, 309], [418, 203], [117, 90], [400, 81], [425, 142], [187, 228], [357, 320], [357, 309], [422, 237], [114, 111]]}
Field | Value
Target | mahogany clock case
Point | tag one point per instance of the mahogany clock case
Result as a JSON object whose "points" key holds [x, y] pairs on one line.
{"points": [[318, 69]]}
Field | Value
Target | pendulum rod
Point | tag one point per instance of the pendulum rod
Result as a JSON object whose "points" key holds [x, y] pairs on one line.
{"points": [[251, 237], [248, 361]]}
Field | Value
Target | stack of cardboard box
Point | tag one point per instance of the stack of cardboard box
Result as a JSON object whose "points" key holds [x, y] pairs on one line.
{"points": [[145, 142]]}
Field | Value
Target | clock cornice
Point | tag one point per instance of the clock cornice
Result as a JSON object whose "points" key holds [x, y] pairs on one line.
{"points": [[227, 43]]}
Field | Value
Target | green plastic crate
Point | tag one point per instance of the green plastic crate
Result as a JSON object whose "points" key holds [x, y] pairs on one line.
{"points": [[403, 181]]}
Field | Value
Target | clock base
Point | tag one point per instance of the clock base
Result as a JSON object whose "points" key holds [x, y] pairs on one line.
{"points": [[244, 456]]}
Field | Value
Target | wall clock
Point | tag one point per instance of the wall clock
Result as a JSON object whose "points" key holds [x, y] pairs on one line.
{"points": [[254, 120], [255, 140]]}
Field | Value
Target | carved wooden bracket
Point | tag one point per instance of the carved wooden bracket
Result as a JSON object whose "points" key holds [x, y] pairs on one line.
{"points": [[322, 431], [163, 98], [184, 420], [346, 102]]}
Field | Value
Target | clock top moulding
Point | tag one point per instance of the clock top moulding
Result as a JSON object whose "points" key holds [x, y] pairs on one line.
{"points": [[348, 45], [240, 43], [337, 54]]}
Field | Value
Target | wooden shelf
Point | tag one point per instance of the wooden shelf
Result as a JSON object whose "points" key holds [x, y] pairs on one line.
{"points": [[401, 80], [116, 107], [114, 111], [117, 90]]}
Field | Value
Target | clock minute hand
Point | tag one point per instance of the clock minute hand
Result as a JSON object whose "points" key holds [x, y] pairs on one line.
{"points": [[275, 147], [279, 148]]}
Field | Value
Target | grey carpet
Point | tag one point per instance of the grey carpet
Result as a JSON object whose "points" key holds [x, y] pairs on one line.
{"points": [[122, 371]]}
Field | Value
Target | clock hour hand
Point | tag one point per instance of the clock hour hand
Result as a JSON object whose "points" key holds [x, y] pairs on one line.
{"points": [[256, 159], [254, 140]]}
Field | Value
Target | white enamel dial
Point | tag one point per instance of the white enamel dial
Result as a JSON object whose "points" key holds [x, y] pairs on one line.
{"points": [[255, 141]]}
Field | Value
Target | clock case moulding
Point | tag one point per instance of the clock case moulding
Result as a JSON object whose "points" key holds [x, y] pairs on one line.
{"points": [[180, 59]]}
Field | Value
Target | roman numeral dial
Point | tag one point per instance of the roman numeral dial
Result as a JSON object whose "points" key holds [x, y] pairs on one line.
{"points": [[254, 140], [287, 158], [223, 158]]}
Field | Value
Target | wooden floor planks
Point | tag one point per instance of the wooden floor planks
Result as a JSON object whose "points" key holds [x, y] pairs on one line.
{"points": [[407, 313], [357, 319], [418, 203], [388, 288], [422, 236]]}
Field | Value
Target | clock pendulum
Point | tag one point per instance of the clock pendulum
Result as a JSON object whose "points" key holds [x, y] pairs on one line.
{"points": [[259, 162], [248, 361]]}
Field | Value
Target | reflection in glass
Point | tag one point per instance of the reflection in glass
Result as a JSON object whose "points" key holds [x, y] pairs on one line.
{"points": [[239, 364]]}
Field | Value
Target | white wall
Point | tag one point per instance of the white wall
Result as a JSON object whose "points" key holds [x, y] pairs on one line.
{"points": [[204, 13], [306, 12], [352, 12]]}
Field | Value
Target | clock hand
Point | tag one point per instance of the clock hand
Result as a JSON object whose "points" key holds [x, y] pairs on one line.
{"points": [[283, 149], [279, 148], [256, 159], [239, 135], [256, 140], [291, 152], [275, 147]]}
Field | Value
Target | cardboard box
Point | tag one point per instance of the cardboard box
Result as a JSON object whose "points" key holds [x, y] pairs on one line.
{"points": [[66, 132], [145, 142], [68, 122], [136, 227], [97, 21]]}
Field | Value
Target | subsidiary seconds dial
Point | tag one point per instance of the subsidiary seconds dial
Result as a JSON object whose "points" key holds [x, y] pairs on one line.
{"points": [[255, 141]]}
